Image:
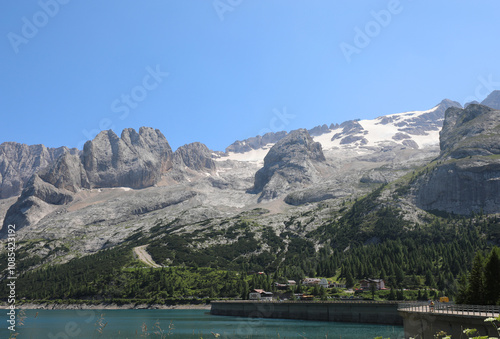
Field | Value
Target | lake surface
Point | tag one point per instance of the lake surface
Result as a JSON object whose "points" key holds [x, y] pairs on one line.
{"points": [[63, 324]]}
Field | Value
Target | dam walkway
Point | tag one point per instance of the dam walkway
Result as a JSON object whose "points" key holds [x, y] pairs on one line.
{"points": [[425, 321]]}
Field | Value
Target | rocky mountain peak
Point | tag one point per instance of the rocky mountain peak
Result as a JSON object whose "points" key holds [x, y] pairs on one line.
{"points": [[492, 100], [256, 142], [297, 145], [195, 156], [135, 160], [470, 131], [290, 163], [466, 178], [18, 162]]}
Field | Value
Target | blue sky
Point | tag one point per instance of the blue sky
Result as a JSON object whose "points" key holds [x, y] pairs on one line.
{"points": [[223, 70]]}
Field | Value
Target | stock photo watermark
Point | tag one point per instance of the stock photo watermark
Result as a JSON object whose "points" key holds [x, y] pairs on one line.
{"points": [[221, 7], [11, 277], [128, 101], [31, 26], [363, 36], [485, 87], [72, 329], [279, 121]]}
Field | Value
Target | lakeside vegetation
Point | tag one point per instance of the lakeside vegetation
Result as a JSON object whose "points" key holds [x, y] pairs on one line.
{"points": [[361, 240]]}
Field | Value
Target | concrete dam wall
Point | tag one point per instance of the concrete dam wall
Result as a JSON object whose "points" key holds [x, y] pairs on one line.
{"points": [[341, 311]]}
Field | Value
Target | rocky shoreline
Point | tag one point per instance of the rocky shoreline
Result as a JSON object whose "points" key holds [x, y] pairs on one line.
{"points": [[103, 306]]}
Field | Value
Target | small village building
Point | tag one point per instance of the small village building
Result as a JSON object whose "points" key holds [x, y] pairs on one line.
{"points": [[311, 281], [259, 294], [337, 285], [367, 283], [291, 282], [324, 283]]}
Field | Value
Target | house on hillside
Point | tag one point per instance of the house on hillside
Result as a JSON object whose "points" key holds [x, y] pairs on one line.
{"points": [[324, 283], [259, 294], [280, 286], [337, 285], [367, 283], [311, 281]]}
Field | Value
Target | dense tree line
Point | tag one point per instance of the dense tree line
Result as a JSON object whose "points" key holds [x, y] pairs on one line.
{"points": [[482, 284]]}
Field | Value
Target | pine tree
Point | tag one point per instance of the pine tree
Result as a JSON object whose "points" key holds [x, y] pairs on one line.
{"points": [[492, 278], [392, 295], [475, 290], [349, 280], [400, 275]]}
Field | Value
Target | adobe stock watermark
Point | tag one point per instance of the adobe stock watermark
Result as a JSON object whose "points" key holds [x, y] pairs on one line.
{"points": [[363, 36], [221, 7], [72, 329], [31, 26], [11, 277], [485, 87], [279, 121], [128, 101]]}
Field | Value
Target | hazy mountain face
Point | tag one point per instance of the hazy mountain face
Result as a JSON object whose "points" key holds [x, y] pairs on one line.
{"points": [[119, 185]]}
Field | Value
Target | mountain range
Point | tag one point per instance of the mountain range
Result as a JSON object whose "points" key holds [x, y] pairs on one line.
{"points": [[68, 202]]}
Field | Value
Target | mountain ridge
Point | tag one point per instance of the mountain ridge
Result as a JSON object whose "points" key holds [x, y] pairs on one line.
{"points": [[378, 151]]}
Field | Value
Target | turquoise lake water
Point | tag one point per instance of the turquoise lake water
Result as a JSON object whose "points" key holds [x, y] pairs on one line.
{"points": [[64, 324]]}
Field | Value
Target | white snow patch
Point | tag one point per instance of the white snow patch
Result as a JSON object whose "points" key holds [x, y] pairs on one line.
{"points": [[326, 139], [255, 156], [376, 133], [410, 113]]}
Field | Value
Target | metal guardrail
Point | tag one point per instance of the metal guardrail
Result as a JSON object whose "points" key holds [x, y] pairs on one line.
{"points": [[447, 308], [347, 301]]}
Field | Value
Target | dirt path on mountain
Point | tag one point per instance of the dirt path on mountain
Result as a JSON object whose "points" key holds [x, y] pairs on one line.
{"points": [[144, 256]]}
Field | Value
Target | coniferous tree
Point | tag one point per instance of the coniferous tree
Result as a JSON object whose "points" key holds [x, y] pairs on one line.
{"points": [[383, 275], [392, 295], [400, 275], [492, 278], [475, 290], [349, 280]]}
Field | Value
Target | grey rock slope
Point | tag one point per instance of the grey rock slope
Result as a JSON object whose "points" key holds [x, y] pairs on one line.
{"points": [[492, 100], [255, 142], [195, 156], [290, 163], [466, 177], [18, 162], [191, 161], [37, 200], [135, 160]]}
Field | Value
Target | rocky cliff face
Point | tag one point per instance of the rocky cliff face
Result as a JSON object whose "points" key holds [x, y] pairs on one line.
{"points": [[471, 131], [195, 156], [290, 163], [18, 162], [135, 160], [66, 173], [190, 161], [466, 177], [37, 200]]}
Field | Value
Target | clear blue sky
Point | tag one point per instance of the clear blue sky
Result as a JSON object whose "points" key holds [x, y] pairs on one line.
{"points": [[236, 68]]}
